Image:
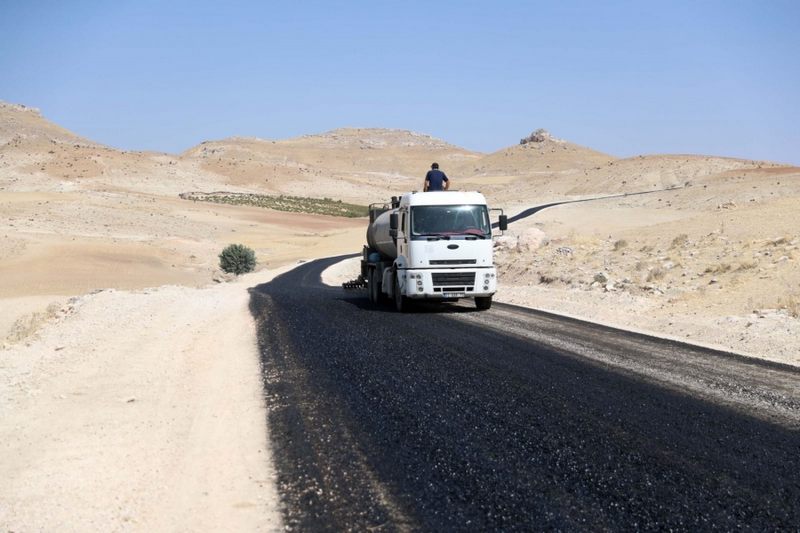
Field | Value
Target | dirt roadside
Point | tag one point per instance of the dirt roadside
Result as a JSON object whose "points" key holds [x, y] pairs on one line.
{"points": [[141, 411]]}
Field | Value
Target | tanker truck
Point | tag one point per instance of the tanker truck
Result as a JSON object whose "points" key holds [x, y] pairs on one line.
{"points": [[434, 246]]}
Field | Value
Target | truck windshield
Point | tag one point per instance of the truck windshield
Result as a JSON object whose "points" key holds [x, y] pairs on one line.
{"points": [[450, 220]]}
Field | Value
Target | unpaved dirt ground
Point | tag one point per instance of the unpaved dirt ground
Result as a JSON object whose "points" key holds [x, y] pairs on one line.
{"points": [[138, 410]]}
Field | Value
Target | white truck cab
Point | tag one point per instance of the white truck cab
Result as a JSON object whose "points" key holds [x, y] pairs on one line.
{"points": [[431, 246]]}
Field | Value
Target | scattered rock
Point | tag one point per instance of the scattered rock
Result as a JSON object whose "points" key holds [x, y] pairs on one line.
{"points": [[564, 250], [222, 277], [538, 136], [505, 242], [531, 239]]}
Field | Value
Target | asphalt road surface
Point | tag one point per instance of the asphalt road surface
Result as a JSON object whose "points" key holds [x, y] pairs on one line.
{"points": [[447, 418]]}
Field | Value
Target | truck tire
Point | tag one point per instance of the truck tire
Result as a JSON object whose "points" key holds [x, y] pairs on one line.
{"points": [[400, 301], [483, 302]]}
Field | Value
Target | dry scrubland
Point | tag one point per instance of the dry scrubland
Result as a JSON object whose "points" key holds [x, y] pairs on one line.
{"points": [[95, 368]]}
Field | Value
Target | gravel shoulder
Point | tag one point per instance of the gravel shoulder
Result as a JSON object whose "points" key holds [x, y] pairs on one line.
{"points": [[138, 410]]}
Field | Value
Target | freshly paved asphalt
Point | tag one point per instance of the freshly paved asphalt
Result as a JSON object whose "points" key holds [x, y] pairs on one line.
{"points": [[447, 418], [530, 211]]}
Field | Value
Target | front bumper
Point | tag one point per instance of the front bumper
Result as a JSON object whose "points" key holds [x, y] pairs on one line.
{"points": [[443, 284]]}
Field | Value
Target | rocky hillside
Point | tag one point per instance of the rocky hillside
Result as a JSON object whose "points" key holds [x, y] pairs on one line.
{"points": [[20, 124], [539, 154]]}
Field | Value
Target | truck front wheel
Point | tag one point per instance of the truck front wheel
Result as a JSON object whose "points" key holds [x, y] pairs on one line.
{"points": [[483, 302]]}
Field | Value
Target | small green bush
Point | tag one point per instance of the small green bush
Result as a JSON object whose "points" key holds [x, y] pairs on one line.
{"points": [[237, 259]]}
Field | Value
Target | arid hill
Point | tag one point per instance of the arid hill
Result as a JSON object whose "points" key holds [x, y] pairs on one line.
{"points": [[547, 156], [349, 164], [23, 123], [711, 241]]}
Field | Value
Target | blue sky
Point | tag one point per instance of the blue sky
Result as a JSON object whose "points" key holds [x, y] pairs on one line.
{"points": [[623, 77]]}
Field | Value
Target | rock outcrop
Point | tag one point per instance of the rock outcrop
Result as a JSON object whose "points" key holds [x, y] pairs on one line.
{"points": [[538, 136]]}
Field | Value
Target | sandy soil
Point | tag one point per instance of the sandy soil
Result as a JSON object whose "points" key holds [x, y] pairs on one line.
{"points": [[138, 410], [68, 244]]}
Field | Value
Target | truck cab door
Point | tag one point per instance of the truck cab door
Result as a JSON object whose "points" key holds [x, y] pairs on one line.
{"points": [[402, 237]]}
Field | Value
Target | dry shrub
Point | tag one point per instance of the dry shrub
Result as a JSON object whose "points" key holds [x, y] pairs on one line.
{"points": [[28, 325], [546, 279], [680, 240], [620, 244], [718, 269], [792, 305], [656, 273], [646, 248], [747, 265]]}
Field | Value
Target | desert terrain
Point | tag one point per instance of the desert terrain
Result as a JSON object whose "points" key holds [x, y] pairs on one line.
{"points": [[128, 365]]}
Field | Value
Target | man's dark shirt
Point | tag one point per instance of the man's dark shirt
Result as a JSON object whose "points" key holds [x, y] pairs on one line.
{"points": [[436, 179]]}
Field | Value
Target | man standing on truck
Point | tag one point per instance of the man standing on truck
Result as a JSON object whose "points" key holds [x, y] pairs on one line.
{"points": [[436, 180]]}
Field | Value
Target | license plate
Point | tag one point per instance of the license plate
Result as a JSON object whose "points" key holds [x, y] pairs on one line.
{"points": [[453, 294]]}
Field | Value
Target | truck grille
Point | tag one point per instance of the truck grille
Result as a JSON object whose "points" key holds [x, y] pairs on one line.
{"points": [[453, 261], [452, 279]]}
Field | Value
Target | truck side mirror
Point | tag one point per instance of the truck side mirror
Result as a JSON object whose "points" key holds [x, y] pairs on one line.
{"points": [[503, 225]]}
